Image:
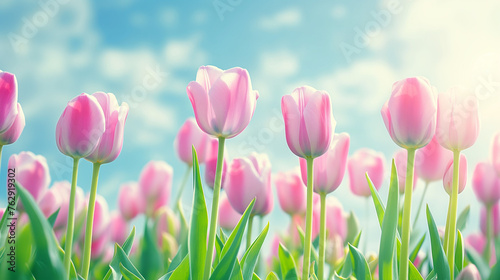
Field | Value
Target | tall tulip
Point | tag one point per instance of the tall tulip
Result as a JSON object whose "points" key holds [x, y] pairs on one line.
{"points": [[309, 128], [155, 184], [291, 192], [410, 118], [129, 201], [12, 133], [223, 103], [32, 172], [365, 161]]}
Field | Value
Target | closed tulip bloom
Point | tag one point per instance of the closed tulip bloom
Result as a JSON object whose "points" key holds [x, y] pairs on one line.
{"points": [[365, 161], [458, 119], [190, 135], [166, 222], [8, 100], [211, 164], [291, 192], [249, 178], [486, 183], [118, 227], [410, 113], [99, 245], [469, 272], [111, 142], [80, 126], [309, 122], [228, 217], [223, 101], [336, 223], [462, 175], [50, 202], [129, 201], [32, 172], [495, 152], [155, 184], [12, 133], [495, 211], [63, 189], [431, 161], [329, 169], [401, 160]]}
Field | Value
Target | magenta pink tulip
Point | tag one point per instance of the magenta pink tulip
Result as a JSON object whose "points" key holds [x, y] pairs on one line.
{"points": [[458, 119], [99, 245], [129, 200], [12, 133], [486, 183], [63, 189], [166, 223], [155, 185], [211, 164], [291, 192], [190, 135], [2, 211], [111, 142], [336, 223], [495, 211], [309, 122], [431, 161], [410, 113], [32, 172], [250, 178], [469, 272], [228, 217], [80, 126], [400, 160], [8, 100], [365, 161], [118, 227], [223, 101], [495, 152], [462, 175], [329, 169]]}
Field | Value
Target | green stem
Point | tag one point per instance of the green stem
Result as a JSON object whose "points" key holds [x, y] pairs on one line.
{"points": [[215, 209], [249, 231], [447, 228], [489, 233], [420, 204], [90, 222], [322, 237], [405, 241], [71, 219], [307, 240], [178, 202], [453, 213]]}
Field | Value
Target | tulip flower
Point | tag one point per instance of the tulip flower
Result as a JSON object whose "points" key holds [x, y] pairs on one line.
{"points": [[2, 211], [129, 201], [486, 183], [223, 103], [495, 152], [400, 160], [190, 135], [211, 165], [62, 190], [291, 192], [365, 161], [11, 134], [118, 228], [448, 175], [469, 272], [50, 202], [155, 184], [166, 223], [336, 223], [229, 218], [8, 100], [32, 172]]}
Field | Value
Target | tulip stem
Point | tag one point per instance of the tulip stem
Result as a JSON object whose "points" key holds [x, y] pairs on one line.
{"points": [[178, 202], [405, 241], [90, 222], [71, 219], [453, 213], [307, 240], [420, 204], [249, 231], [322, 236], [215, 209], [489, 234]]}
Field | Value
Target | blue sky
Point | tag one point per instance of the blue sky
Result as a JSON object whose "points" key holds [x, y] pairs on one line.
{"points": [[353, 49]]}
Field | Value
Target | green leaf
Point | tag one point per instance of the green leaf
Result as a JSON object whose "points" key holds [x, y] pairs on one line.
{"points": [[52, 218], [417, 248], [127, 274], [272, 276], [255, 277], [355, 243], [182, 271], [360, 267], [439, 260], [314, 253], [236, 273], [249, 260], [4, 229], [462, 218], [379, 205], [114, 264], [352, 228], [495, 271], [218, 249], [287, 264], [151, 259], [478, 261], [459, 253], [123, 260], [197, 245], [47, 262], [179, 257], [230, 251], [389, 225]]}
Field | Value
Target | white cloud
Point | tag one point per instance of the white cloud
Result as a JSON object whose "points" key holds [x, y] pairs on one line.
{"points": [[184, 53], [286, 18], [169, 17], [279, 64]]}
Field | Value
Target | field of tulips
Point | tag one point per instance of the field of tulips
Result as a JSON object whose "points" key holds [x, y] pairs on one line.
{"points": [[59, 232]]}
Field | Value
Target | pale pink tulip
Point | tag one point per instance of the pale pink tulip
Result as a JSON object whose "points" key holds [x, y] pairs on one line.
{"points": [[329, 169], [431, 161], [495, 152], [8, 100], [211, 164], [495, 211], [155, 184], [118, 228], [228, 217], [334, 248], [458, 119], [462, 175], [111, 142], [469, 272], [249, 178], [291, 192], [129, 200], [309, 122], [32, 172], [401, 160], [410, 113], [190, 135], [336, 223], [80, 126], [166, 222], [365, 161], [486, 183], [477, 241], [223, 101], [63, 189], [99, 245], [50, 201], [11, 134]]}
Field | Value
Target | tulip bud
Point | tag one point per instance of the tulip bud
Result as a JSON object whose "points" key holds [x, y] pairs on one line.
{"points": [[191, 135], [129, 200], [11, 134], [291, 192], [462, 178], [166, 222], [228, 217], [118, 228], [8, 100], [155, 185], [401, 161], [32, 172], [365, 161], [469, 272], [486, 183], [431, 161]]}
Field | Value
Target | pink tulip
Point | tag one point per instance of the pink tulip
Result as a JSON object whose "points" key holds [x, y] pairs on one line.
{"points": [[228, 217], [477, 241], [274, 250], [329, 168], [365, 161], [8, 100], [431, 161], [462, 178], [211, 164], [401, 160], [155, 185], [110, 145], [2, 211], [418, 260], [458, 120], [469, 272], [101, 217], [336, 223], [250, 178], [50, 201], [291, 192], [63, 189], [129, 200], [495, 211], [190, 135], [80, 127], [99, 245], [486, 183], [223, 101], [334, 249], [495, 152], [12, 133], [410, 113], [118, 227], [166, 222], [32, 172], [309, 122]]}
